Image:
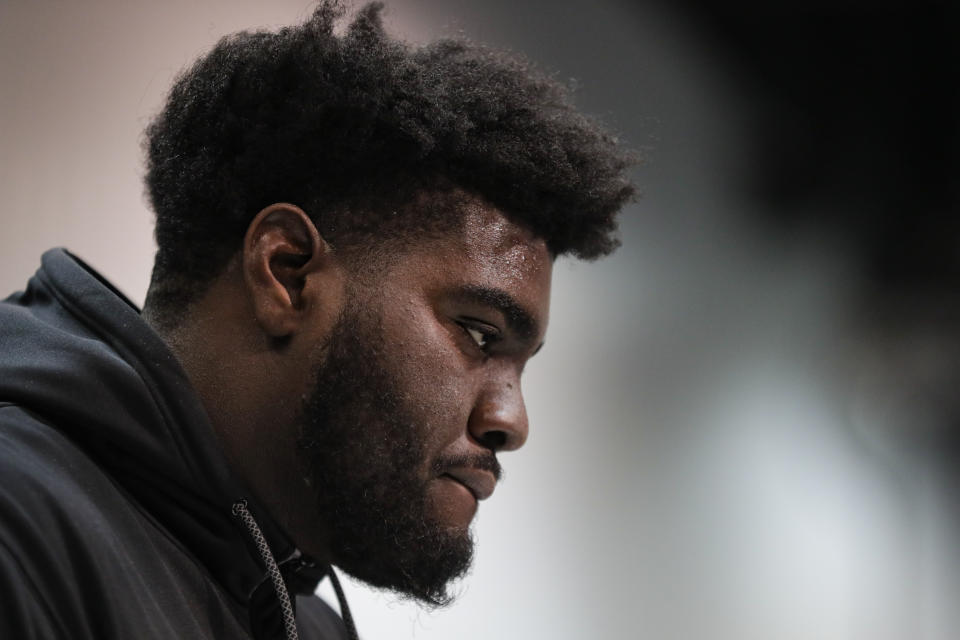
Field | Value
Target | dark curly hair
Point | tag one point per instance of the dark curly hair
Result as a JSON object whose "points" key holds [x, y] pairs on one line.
{"points": [[354, 128]]}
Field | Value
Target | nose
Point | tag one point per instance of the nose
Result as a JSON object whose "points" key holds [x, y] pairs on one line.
{"points": [[499, 418]]}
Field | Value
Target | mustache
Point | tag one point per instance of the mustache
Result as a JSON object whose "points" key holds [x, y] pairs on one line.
{"points": [[482, 461]]}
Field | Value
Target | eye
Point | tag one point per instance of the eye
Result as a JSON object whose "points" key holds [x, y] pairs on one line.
{"points": [[478, 336], [482, 335]]}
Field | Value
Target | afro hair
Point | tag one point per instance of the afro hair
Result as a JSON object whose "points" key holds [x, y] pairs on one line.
{"points": [[353, 127]]}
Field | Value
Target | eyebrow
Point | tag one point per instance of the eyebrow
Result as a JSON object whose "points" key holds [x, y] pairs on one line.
{"points": [[519, 320]]}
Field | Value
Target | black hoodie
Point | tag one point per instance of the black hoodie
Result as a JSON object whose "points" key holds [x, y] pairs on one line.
{"points": [[119, 517]]}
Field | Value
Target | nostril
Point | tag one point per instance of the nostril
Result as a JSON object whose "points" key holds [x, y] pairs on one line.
{"points": [[494, 440]]}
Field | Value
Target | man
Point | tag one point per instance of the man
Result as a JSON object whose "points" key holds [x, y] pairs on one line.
{"points": [[355, 241]]}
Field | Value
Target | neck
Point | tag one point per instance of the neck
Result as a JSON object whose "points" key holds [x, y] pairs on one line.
{"points": [[250, 392]]}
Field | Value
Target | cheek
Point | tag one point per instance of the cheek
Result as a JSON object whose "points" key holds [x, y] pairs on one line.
{"points": [[433, 379]]}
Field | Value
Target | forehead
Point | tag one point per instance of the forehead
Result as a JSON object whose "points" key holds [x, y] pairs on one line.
{"points": [[487, 250], [495, 247]]}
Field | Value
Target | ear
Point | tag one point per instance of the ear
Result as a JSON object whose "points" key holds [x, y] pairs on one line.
{"points": [[281, 249]]}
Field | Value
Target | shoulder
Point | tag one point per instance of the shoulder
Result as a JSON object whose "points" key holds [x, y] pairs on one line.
{"points": [[46, 480], [78, 554], [47, 526]]}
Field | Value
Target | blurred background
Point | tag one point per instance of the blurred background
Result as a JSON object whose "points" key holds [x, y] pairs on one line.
{"points": [[745, 424]]}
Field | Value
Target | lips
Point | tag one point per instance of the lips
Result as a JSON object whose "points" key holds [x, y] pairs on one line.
{"points": [[480, 483]]}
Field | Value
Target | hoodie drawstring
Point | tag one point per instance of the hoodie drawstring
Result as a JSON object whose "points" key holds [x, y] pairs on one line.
{"points": [[344, 609], [289, 618]]}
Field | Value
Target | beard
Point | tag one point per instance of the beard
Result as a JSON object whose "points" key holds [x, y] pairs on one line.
{"points": [[364, 451]]}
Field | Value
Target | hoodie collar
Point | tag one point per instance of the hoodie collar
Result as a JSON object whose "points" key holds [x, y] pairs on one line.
{"points": [[131, 405]]}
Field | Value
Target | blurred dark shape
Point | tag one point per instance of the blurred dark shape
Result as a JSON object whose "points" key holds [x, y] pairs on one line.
{"points": [[855, 120], [853, 129]]}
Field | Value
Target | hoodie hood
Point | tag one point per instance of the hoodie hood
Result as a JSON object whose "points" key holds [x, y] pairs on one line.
{"points": [[76, 352]]}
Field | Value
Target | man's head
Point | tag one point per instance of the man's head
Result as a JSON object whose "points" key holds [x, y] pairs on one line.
{"points": [[359, 350]]}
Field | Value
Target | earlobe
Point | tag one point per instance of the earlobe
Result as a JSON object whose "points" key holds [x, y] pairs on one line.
{"points": [[282, 247]]}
